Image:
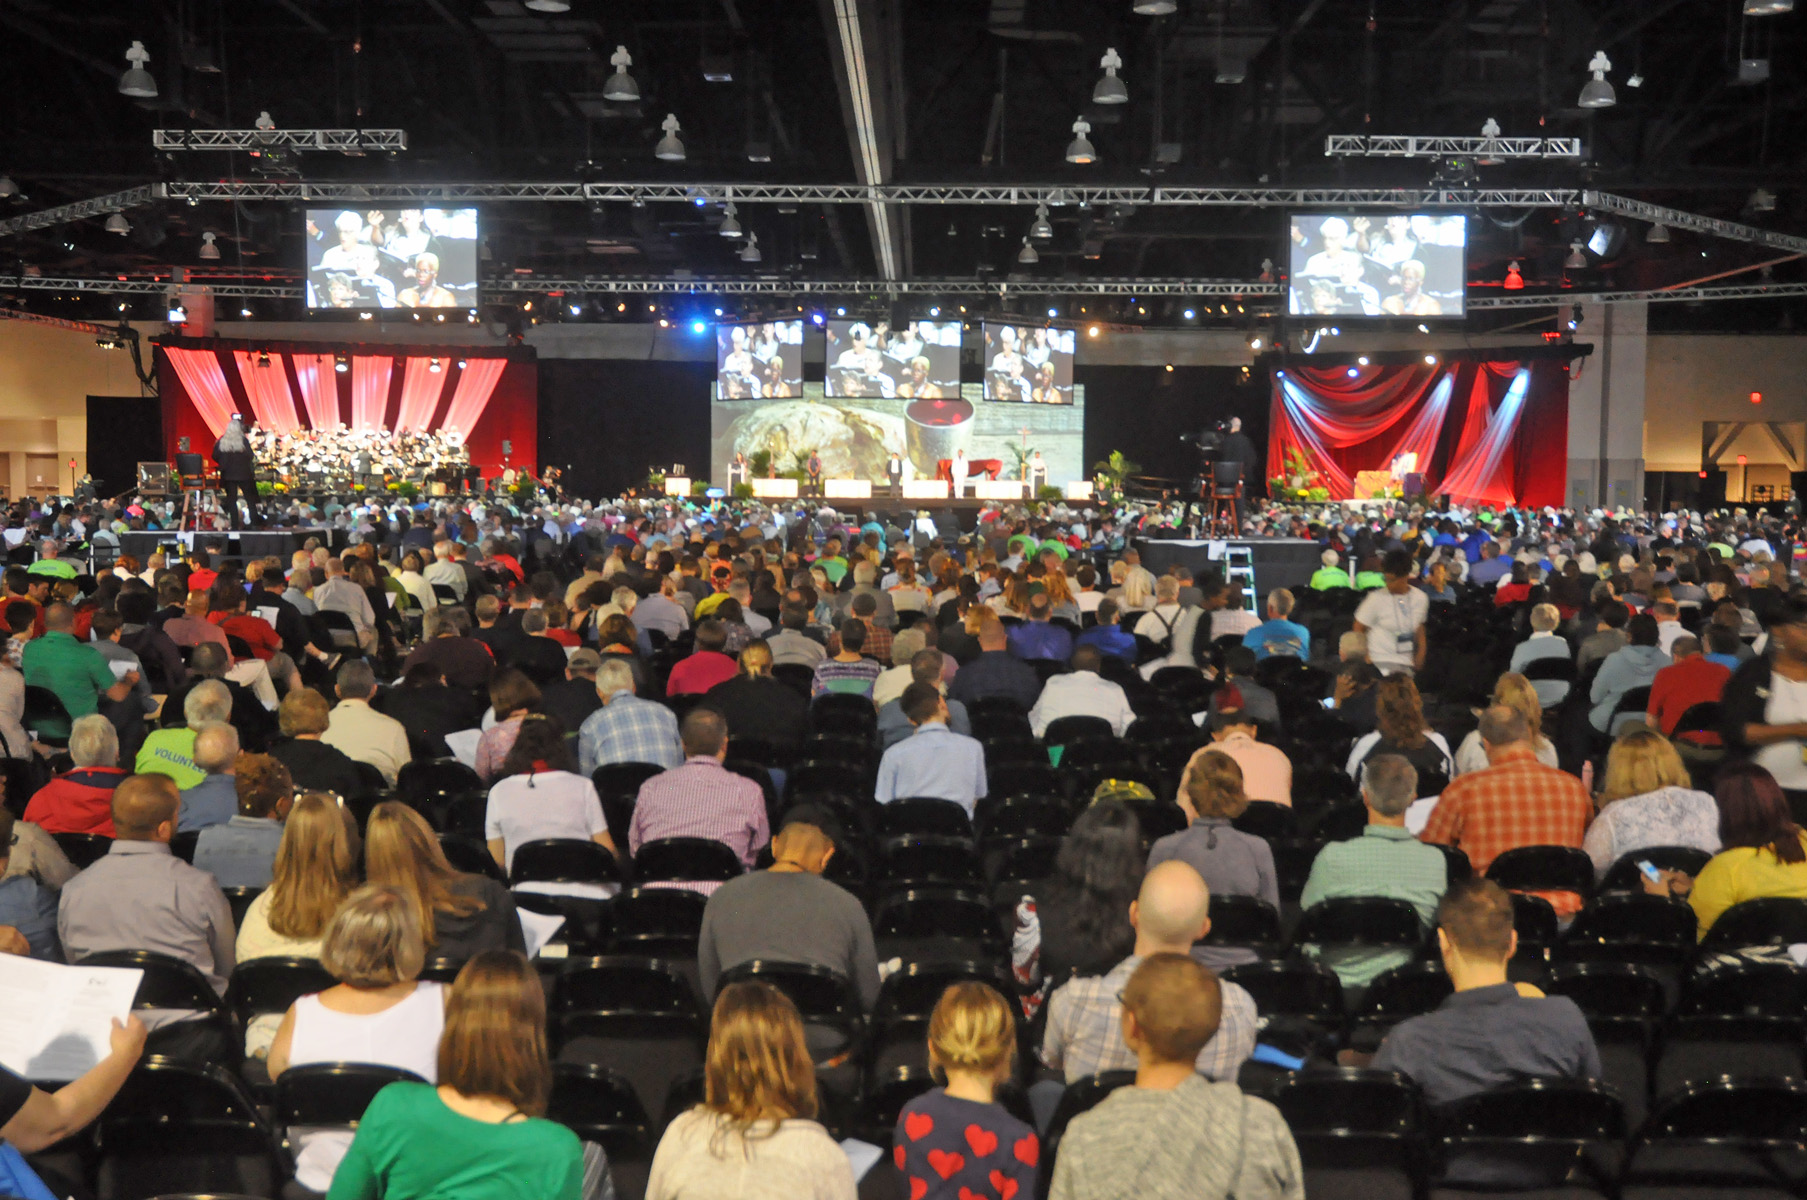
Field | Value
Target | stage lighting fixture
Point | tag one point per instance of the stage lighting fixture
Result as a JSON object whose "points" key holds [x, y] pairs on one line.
{"points": [[245, 313], [1354, 371], [699, 327], [263, 358], [620, 86], [759, 152], [1110, 89], [1515, 282], [1576, 260], [750, 252], [729, 227], [669, 149], [1767, 8], [1255, 342], [1053, 312], [434, 367], [1430, 360], [177, 315], [209, 251], [1080, 150], [840, 312], [817, 318], [1596, 92], [1659, 233], [1169, 368], [1040, 230], [1606, 240], [461, 364], [549, 6], [718, 312], [137, 81], [1423, 328], [1189, 314], [1092, 332], [1154, 8], [577, 310], [1362, 360], [1762, 201], [341, 364], [8, 188], [118, 224], [364, 316], [935, 311]]}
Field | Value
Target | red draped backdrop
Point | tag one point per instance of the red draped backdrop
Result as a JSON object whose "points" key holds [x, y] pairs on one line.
{"points": [[1484, 432], [493, 398]]}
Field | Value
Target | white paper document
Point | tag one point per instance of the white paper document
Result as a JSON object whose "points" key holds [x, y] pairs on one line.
{"points": [[56, 1021]]}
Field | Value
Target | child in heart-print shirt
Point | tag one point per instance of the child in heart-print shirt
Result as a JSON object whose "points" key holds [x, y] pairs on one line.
{"points": [[956, 1142]]}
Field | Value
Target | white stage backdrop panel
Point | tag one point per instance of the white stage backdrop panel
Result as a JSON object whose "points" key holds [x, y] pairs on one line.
{"points": [[856, 437]]}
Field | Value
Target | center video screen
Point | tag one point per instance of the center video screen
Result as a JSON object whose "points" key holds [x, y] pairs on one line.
{"points": [[1028, 364], [1344, 265], [391, 258], [916, 360], [759, 362]]}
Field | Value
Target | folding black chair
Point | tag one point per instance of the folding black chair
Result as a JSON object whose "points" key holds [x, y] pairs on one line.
{"points": [[1722, 1138], [332, 1093], [1246, 922], [177, 1127], [1359, 1132], [637, 1015], [923, 815], [83, 850], [657, 921], [1542, 1131], [685, 859]]}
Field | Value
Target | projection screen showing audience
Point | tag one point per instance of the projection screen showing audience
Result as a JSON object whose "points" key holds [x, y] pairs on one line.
{"points": [[1393, 266], [391, 258]]}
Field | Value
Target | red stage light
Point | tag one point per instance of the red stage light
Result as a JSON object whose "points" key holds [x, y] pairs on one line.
{"points": [[1756, 397], [1741, 460], [1703, 474], [1515, 282]]}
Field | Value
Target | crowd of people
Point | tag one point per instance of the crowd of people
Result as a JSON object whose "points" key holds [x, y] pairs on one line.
{"points": [[1108, 764]]}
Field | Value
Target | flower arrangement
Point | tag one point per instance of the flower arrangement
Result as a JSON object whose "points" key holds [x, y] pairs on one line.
{"points": [[1298, 479]]}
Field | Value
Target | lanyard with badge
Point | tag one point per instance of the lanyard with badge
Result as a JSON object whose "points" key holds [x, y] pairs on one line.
{"points": [[1403, 640]]}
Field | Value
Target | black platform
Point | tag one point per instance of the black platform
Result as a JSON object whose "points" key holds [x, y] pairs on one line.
{"points": [[1279, 562], [233, 543]]}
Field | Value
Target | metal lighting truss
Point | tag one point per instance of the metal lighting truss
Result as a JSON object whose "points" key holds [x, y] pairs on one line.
{"points": [[1345, 145], [1235, 289], [346, 141], [161, 286], [63, 214], [1748, 291], [1676, 218]]}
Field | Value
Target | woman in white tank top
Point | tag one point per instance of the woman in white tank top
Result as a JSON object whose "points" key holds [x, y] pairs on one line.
{"points": [[377, 1014]]}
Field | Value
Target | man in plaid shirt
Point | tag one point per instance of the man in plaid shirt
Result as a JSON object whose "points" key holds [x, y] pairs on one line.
{"points": [[878, 639], [1516, 801], [1085, 1016], [626, 728]]}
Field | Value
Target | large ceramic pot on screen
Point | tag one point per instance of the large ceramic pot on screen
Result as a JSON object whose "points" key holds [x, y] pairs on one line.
{"points": [[936, 430]]}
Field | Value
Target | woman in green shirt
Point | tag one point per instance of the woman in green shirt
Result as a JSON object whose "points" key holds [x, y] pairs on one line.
{"points": [[480, 1134]]}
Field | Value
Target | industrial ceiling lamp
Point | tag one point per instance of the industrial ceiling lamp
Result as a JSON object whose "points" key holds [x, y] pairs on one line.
{"points": [[1515, 282], [1596, 92], [750, 252], [1576, 260], [118, 224], [1110, 89], [1079, 150], [621, 87], [137, 81], [1659, 233], [434, 367], [8, 188], [729, 227], [1763, 201], [1027, 255], [549, 6], [1767, 8], [1040, 230], [1155, 8], [669, 149], [209, 251]]}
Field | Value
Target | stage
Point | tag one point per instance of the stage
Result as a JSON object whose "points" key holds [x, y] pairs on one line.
{"points": [[233, 543], [1278, 562]]}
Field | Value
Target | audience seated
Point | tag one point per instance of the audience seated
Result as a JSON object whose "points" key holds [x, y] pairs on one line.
{"points": [[1081, 693], [1691, 679], [540, 795], [1258, 702], [483, 1130], [701, 798], [1544, 642], [313, 765], [511, 697], [1108, 636], [25, 904], [1232, 863], [1278, 635], [316, 867], [1645, 800], [1386, 861], [80, 800], [906, 644], [1631, 666], [626, 728], [428, 709], [1169, 1135], [934, 761], [139, 896], [894, 724], [1039, 637], [755, 705], [995, 672], [789, 913], [460, 915], [1518, 694], [1399, 713], [789, 644], [754, 1136], [1765, 705], [246, 710], [848, 670], [1085, 1030], [72, 669], [537, 655], [1609, 633], [360, 732], [1516, 801], [214, 800], [1077, 921], [1267, 774], [1157, 622], [241, 851], [377, 1013], [465, 662], [1764, 855]]}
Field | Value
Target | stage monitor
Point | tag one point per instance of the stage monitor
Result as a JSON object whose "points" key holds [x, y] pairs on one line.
{"points": [[762, 361], [871, 360], [366, 258], [1348, 265], [1031, 364]]}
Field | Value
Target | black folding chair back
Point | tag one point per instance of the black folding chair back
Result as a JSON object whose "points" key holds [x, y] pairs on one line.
{"points": [[1541, 1127], [565, 860], [1624, 875], [1544, 869], [1359, 1132], [335, 1093], [1360, 921], [1772, 921], [1729, 1136], [1080, 1096], [1064, 731], [923, 815], [685, 859], [600, 1105], [83, 850], [177, 1128], [938, 912], [657, 921], [1246, 921], [261, 986]]}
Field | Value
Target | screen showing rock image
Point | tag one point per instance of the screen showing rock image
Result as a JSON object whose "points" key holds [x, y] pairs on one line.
{"points": [[1028, 364], [915, 360], [759, 362], [855, 439], [391, 258], [1344, 265]]}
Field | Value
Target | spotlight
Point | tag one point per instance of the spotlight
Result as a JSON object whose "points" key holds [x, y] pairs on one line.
{"points": [[461, 364], [118, 224], [817, 318], [935, 311], [621, 87], [1362, 359], [245, 313], [729, 227], [1169, 368], [718, 312], [1762, 200], [364, 316], [1027, 254], [1189, 314], [1575, 317], [577, 310], [1515, 282], [341, 364], [1092, 332], [1255, 342], [750, 252], [177, 315], [1110, 89], [1596, 92], [1423, 328], [434, 367], [1576, 260], [699, 327], [1430, 360], [840, 312], [209, 251], [1659, 234], [1079, 150], [669, 149], [1040, 230], [263, 358], [137, 81], [1354, 371]]}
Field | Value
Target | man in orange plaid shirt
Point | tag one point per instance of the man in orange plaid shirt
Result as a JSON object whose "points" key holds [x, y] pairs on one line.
{"points": [[1516, 801]]}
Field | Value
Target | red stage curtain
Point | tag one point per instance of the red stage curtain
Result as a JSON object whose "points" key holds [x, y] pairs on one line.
{"points": [[370, 390], [205, 382], [1470, 423], [319, 383], [421, 386], [476, 384], [266, 385]]}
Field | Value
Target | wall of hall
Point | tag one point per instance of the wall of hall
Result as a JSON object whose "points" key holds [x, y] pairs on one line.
{"points": [[1694, 378], [46, 376]]}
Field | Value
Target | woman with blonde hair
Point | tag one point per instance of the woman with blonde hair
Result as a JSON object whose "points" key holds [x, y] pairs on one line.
{"points": [[1520, 695], [1232, 863], [1138, 590], [460, 915], [1399, 714], [1646, 800], [1061, 603], [481, 1133], [972, 1048], [316, 868], [754, 1136], [378, 1013], [1013, 601], [908, 594]]}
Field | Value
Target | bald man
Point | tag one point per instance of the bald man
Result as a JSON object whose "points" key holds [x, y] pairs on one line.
{"points": [[139, 896], [1085, 1030], [213, 800]]}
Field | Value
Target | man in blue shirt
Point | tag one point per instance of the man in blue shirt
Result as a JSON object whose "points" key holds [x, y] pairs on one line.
{"points": [[1492, 568], [933, 761], [1038, 637], [214, 800], [1277, 635], [1108, 635]]}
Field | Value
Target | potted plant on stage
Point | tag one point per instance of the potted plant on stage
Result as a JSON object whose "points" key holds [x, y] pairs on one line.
{"points": [[1108, 476], [1298, 479]]}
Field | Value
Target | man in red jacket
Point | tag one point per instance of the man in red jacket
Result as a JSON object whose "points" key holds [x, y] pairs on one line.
{"points": [[1689, 681]]}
